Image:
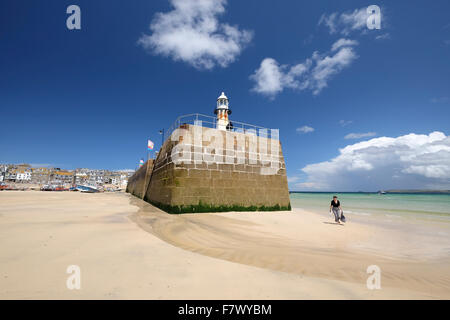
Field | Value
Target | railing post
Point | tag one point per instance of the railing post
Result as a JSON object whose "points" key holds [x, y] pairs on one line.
{"points": [[195, 117]]}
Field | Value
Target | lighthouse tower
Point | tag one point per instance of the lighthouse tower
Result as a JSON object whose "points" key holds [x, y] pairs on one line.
{"points": [[222, 112]]}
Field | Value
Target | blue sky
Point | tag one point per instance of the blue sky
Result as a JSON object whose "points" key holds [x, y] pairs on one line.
{"points": [[356, 108]]}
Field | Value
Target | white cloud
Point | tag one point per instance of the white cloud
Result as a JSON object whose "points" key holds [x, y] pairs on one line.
{"points": [[293, 179], [384, 36], [271, 78], [268, 78], [360, 135], [314, 73], [192, 33], [343, 43], [328, 66], [413, 161], [305, 129], [345, 123], [345, 22]]}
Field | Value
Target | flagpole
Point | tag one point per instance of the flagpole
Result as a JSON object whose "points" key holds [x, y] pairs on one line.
{"points": [[161, 132]]}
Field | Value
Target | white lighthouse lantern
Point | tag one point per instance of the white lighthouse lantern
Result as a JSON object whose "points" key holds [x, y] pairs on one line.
{"points": [[222, 112]]}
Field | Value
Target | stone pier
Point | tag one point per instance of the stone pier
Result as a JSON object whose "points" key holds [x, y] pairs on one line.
{"points": [[201, 169]]}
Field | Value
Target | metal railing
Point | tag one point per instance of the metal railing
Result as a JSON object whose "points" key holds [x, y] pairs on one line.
{"points": [[211, 122]]}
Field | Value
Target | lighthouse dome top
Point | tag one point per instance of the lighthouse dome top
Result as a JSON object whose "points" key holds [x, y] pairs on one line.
{"points": [[222, 96], [222, 101]]}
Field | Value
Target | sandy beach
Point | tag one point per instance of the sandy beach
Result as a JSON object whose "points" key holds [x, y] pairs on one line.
{"points": [[128, 249]]}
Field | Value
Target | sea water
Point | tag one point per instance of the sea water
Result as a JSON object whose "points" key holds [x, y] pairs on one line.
{"points": [[434, 207], [420, 222]]}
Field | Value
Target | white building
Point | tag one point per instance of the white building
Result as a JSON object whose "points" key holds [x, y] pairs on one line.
{"points": [[23, 176]]}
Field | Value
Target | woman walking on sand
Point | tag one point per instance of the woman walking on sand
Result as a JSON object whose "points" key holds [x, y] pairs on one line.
{"points": [[336, 207]]}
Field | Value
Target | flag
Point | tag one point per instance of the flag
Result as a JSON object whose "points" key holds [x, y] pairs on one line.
{"points": [[150, 145], [141, 162]]}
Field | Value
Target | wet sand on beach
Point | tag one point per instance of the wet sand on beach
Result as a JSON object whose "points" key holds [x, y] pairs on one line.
{"points": [[128, 249]]}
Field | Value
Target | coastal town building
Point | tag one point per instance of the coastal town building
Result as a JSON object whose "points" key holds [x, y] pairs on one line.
{"points": [[23, 176], [3, 170], [63, 177], [10, 176], [39, 176], [81, 176]]}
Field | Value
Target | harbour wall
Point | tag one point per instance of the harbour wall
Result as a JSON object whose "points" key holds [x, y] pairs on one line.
{"points": [[204, 169], [138, 183]]}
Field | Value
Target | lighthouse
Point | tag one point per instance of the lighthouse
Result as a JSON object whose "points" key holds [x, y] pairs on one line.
{"points": [[222, 112]]}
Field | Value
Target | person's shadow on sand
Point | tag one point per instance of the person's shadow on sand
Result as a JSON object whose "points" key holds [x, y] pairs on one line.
{"points": [[335, 223]]}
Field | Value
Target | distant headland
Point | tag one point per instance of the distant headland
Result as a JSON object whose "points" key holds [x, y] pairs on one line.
{"points": [[418, 191], [393, 191]]}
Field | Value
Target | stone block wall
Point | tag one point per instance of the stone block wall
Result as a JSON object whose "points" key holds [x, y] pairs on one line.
{"points": [[139, 182], [199, 165]]}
